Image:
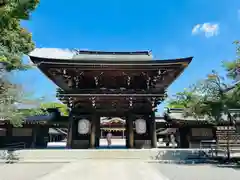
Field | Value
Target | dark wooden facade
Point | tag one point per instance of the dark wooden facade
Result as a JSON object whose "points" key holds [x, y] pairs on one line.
{"points": [[97, 84], [32, 134]]}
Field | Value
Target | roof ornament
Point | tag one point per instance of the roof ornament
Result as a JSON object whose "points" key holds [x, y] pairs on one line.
{"points": [[150, 52], [130, 102], [96, 80], [93, 102], [70, 102], [148, 82], [153, 101], [76, 79], [70, 83], [128, 80]]}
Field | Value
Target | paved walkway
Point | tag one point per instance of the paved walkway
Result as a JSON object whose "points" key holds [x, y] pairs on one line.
{"points": [[198, 172], [114, 170], [105, 170], [82, 170]]}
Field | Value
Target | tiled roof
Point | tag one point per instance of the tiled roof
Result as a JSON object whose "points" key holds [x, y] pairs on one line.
{"points": [[177, 114], [37, 118], [48, 117]]}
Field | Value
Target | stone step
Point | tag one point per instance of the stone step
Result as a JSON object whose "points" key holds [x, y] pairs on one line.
{"points": [[84, 154], [137, 154]]}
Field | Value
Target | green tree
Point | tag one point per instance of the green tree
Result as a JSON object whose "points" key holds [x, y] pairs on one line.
{"points": [[233, 67], [182, 99], [10, 96], [207, 98], [189, 100], [62, 107], [15, 41]]}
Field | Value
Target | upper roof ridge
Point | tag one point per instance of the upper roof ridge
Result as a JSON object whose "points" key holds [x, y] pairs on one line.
{"points": [[149, 53]]}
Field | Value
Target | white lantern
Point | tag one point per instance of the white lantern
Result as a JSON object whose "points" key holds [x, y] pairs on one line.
{"points": [[141, 126], [84, 126]]}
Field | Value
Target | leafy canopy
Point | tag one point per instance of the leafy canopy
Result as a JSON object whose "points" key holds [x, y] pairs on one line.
{"points": [[233, 67], [10, 97], [206, 98], [15, 41]]}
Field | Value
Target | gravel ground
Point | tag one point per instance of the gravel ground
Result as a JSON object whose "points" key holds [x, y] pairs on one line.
{"points": [[197, 172], [27, 171]]}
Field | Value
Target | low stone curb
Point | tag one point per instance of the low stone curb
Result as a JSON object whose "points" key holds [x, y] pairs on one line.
{"points": [[37, 161], [60, 160], [176, 162]]}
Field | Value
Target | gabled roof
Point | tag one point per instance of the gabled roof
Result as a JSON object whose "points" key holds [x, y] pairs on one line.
{"points": [[115, 120], [66, 56]]}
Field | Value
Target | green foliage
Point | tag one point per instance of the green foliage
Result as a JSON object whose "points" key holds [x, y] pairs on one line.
{"points": [[62, 107], [207, 98], [10, 96], [181, 99], [232, 66], [15, 41]]}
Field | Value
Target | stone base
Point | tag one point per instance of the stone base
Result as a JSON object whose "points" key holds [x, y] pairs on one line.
{"points": [[80, 144], [142, 144]]}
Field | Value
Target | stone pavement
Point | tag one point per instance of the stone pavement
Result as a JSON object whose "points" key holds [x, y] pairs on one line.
{"points": [[27, 171], [82, 170], [114, 170], [105, 170], [198, 172]]}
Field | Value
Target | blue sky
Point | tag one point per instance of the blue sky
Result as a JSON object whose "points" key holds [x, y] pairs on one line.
{"points": [[170, 28]]}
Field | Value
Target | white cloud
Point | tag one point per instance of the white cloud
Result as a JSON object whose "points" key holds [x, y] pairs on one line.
{"points": [[208, 29]]}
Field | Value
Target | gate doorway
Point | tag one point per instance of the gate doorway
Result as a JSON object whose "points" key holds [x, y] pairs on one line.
{"points": [[116, 128]]}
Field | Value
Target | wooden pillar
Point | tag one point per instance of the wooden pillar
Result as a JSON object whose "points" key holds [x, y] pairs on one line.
{"points": [[184, 132], [9, 135], [70, 133], [130, 132], [98, 131], [93, 133], [127, 133], [153, 135], [34, 137]]}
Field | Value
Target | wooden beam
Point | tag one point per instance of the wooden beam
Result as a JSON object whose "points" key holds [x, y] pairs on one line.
{"points": [[103, 64], [109, 95], [117, 91]]}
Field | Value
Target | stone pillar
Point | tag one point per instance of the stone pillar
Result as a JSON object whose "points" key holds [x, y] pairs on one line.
{"points": [[130, 132], [152, 128], [93, 133], [70, 133]]}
